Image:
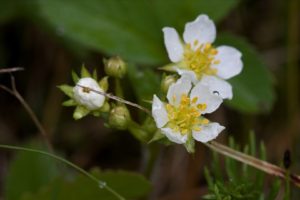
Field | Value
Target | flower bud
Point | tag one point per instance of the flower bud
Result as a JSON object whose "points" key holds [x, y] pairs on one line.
{"points": [[84, 96], [119, 118], [115, 67], [166, 82]]}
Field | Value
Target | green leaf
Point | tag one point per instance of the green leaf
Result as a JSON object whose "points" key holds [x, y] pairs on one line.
{"points": [[253, 90], [129, 185], [67, 89], [28, 172], [130, 29]]}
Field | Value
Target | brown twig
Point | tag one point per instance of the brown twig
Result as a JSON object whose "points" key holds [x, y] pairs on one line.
{"points": [[254, 162], [13, 91], [10, 70], [116, 98]]}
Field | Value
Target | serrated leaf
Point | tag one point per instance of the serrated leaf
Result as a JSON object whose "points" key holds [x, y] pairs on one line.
{"points": [[101, 25], [28, 172], [253, 90]]}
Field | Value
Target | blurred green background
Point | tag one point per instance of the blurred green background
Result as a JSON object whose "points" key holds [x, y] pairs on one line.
{"points": [[49, 38]]}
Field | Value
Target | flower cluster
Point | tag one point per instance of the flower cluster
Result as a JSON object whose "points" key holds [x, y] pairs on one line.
{"points": [[197, 87], [202, 87]]}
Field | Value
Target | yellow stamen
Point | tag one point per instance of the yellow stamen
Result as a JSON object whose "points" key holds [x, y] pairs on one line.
{"points": [[186, 116], [201, 59]]}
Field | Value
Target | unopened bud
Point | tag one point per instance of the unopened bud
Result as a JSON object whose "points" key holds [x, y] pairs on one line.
{"points": [[115, 67], [166, 82], [119, 118]]}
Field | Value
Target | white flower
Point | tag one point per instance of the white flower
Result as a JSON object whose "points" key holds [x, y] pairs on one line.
{"points": [[197, 59], [182, 116], [87, 98]]}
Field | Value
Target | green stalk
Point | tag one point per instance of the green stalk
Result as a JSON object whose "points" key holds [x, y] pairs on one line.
{"points": [[101, 184]]}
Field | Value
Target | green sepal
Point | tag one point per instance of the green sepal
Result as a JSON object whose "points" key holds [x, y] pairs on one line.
{"points": [[149, 125], [157, 136], [84, 72], [95, 76], [67, 89], [168, 68], [70, 102], [137, 131], [75, 77], [96, 113], [105, 107], [103, 83], [80, 112], [190, 144]]}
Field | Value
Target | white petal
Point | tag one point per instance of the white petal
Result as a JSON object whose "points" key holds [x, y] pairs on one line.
{"points": [[202, 29], [189, 74], [217, 86], [181, 87], [174, 136], [208, 132], [159, 112], [90, 100], [230, 62], [205, 96], [173, 44]]}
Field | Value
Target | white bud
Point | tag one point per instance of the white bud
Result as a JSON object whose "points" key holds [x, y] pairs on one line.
{"points": [[86, 97]]}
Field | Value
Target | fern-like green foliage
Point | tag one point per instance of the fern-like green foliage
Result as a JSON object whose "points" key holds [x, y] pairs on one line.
{"points": [[239, 181]]}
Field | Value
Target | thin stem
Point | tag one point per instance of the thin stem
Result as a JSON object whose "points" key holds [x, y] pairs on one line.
{"points": [[108, 95], [28, 109], [102, 184], [254, 162], [10, 70], [118, 88]]}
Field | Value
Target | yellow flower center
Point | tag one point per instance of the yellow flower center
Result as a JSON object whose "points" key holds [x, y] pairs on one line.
{"points": [[200, 60], [186, 117]]}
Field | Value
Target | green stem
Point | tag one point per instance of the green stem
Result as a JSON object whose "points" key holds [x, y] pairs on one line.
{"points": [[101, 184], [118, 88]]}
